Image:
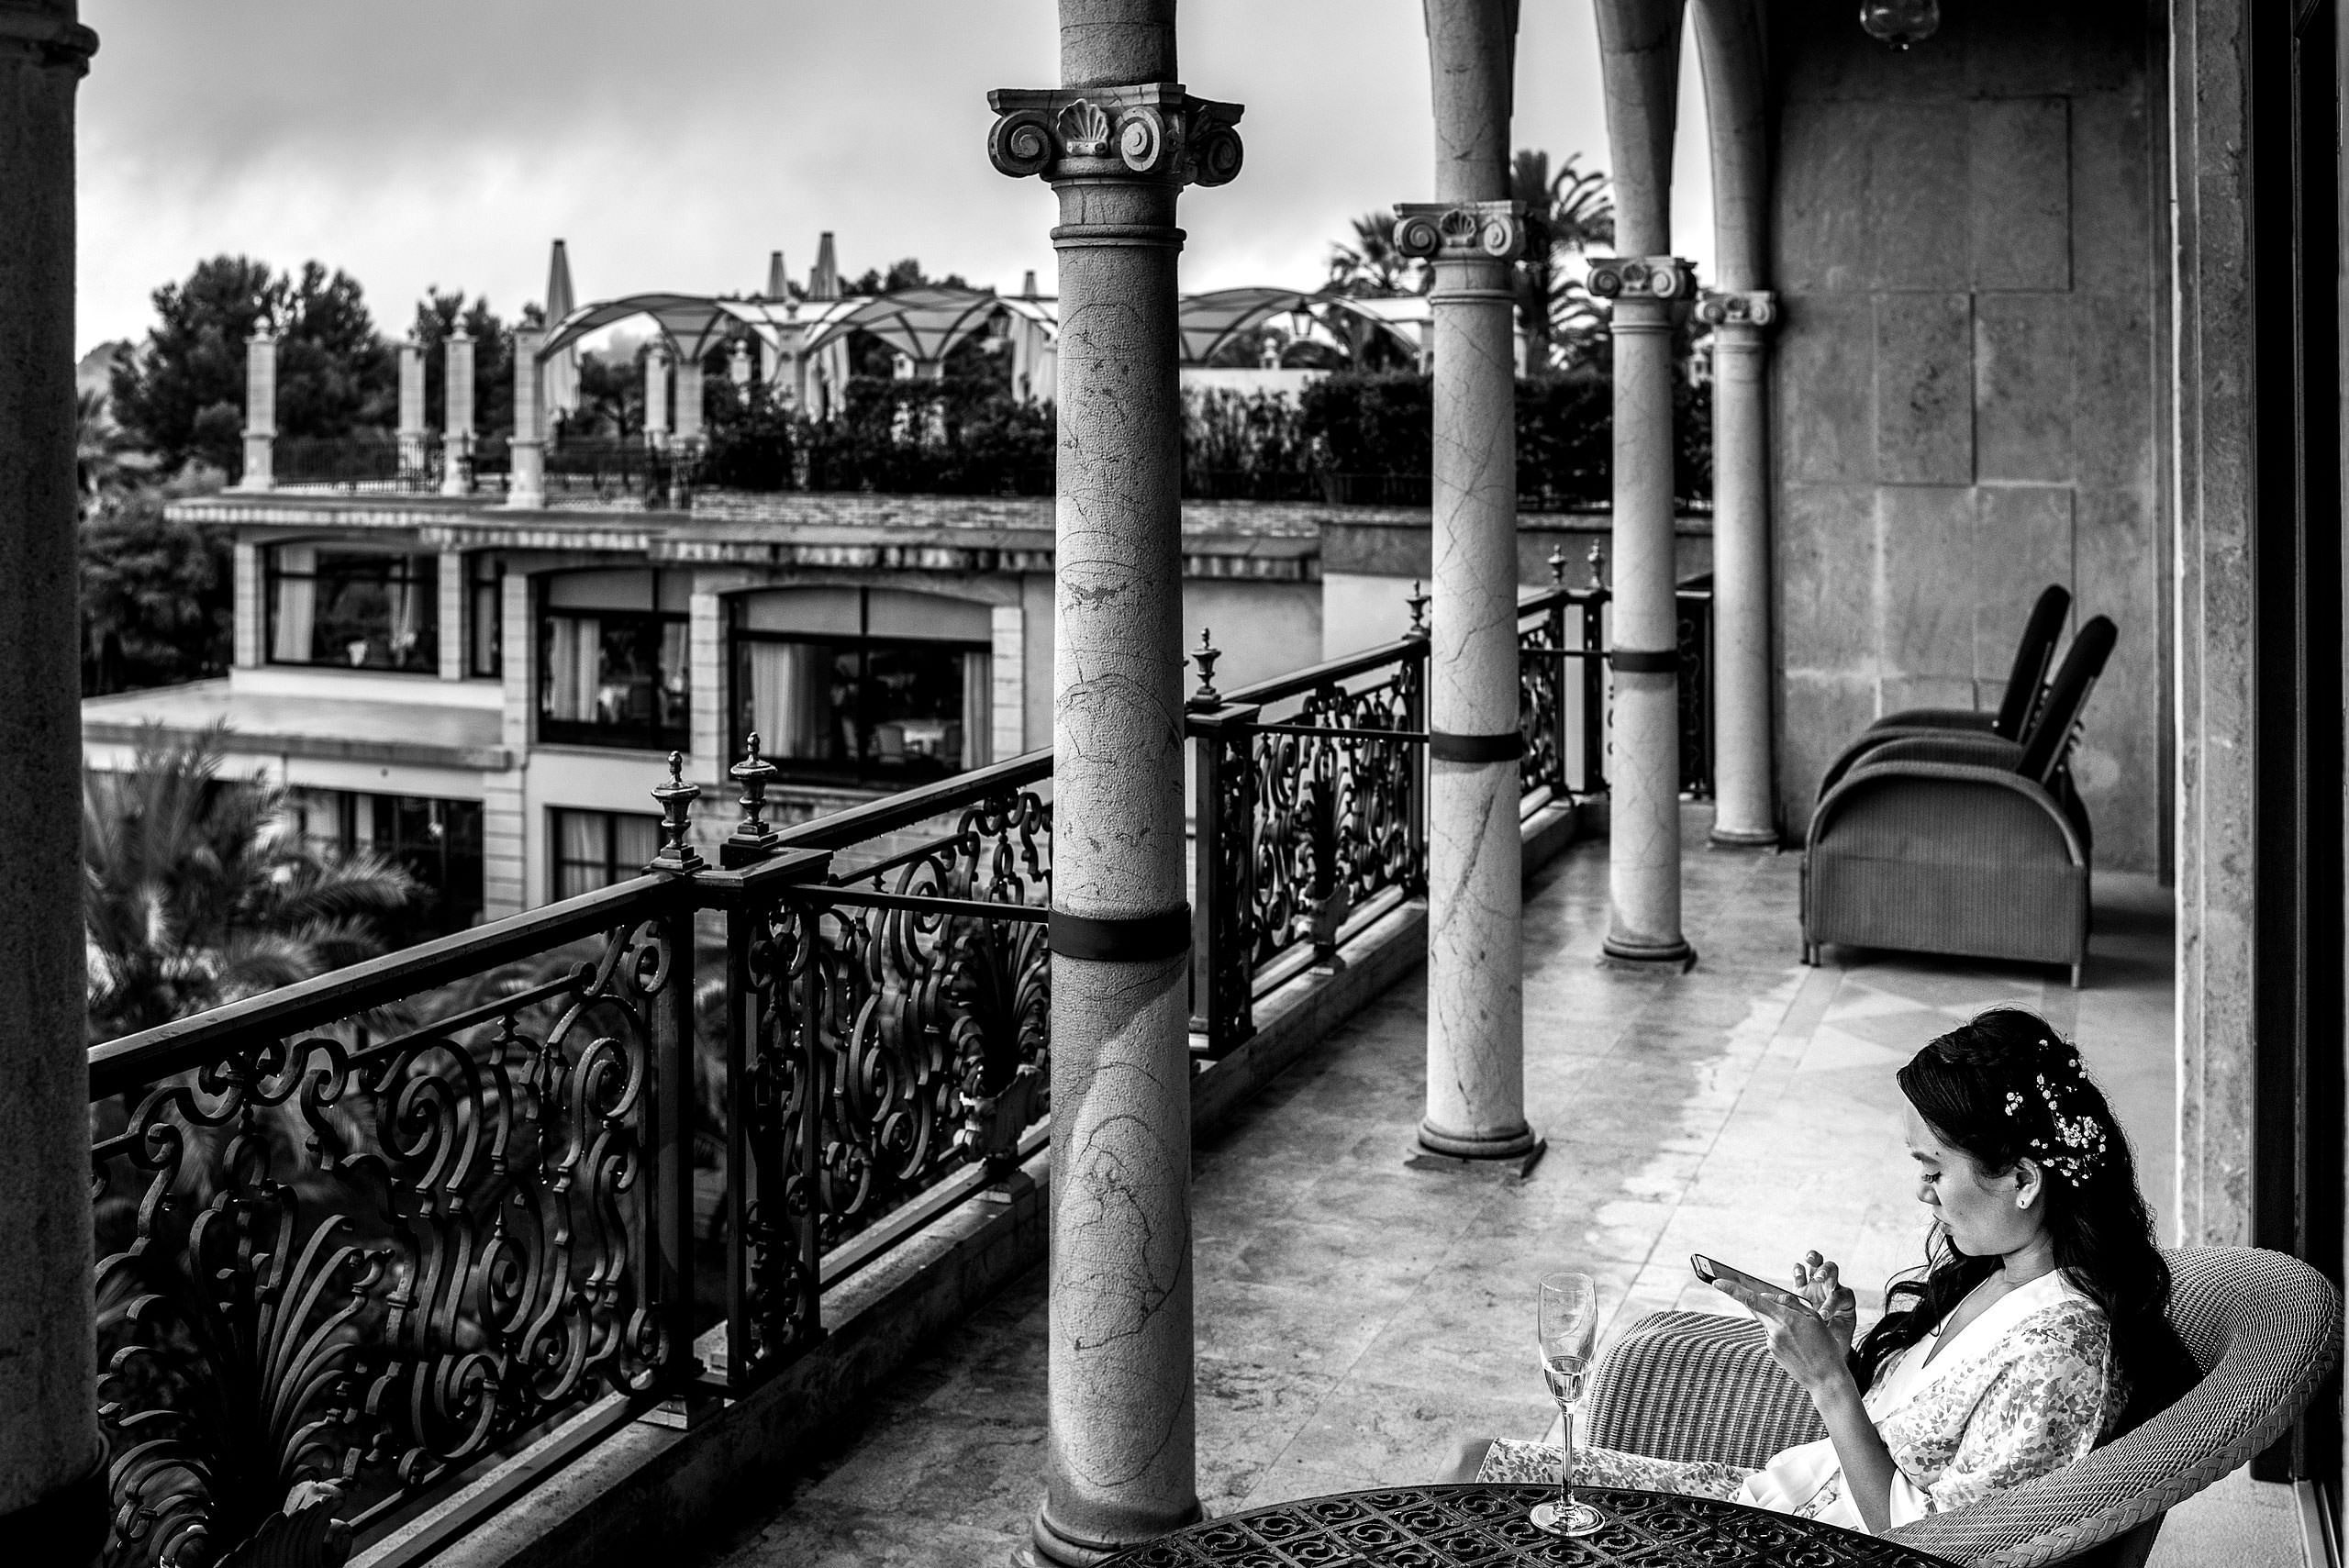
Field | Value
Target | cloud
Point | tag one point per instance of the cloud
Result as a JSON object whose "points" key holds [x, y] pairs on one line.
{"points": [[448, 142]]}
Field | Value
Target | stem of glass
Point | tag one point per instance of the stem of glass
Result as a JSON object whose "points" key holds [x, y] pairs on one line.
{"points": [[1566, 1464]]}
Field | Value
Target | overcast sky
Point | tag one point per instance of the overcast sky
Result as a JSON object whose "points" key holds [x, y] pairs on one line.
{"points": [[674, 145]]}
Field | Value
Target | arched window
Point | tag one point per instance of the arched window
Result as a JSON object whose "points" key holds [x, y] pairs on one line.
{"points": [[879, 686]]}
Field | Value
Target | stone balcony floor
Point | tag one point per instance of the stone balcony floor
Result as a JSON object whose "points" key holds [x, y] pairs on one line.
{"points": [[1357, 1320]]}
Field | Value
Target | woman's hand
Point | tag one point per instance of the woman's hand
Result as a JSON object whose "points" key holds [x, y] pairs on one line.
{"points": [[1800, 1340], [1821, 1284]]}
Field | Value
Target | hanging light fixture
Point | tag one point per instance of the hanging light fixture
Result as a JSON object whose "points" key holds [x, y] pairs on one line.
{"points": [[1900, 23]]}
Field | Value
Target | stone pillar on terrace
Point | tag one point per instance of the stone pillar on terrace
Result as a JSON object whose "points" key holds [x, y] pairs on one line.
{"points": [[411, 426], [52, 1483], [525, 488], [1117, 142], [1639, 44], [261, 409], [690, 387], [457, 413], [656, 395], [1728, 49], [1743, 683], [1475, 1077]]}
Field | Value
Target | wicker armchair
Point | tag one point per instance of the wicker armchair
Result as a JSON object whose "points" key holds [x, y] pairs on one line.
{"points": [[1965, 844], [2026, 691], [2264, 1329]]}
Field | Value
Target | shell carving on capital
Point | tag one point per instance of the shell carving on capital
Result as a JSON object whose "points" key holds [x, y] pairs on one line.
{"points": [[1462, 231], [1637, 277], [1737, 307], [1154, 130]]}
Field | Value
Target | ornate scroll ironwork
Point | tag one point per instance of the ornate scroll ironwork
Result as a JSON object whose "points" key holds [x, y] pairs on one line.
{"points": [[1316, 796], [339, 1270], [890, 1032]]}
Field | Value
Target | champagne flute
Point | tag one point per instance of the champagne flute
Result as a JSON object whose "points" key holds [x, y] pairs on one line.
{"points": [[1568, 1326]]}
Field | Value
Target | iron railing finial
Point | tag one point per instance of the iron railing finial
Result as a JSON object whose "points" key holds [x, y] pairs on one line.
{"points": [[676, 797], [1206, 698], [752, 838], [1418, 600]]}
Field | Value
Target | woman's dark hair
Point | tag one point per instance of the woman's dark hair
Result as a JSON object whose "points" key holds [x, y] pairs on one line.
{"points": [[2003, 1088]]}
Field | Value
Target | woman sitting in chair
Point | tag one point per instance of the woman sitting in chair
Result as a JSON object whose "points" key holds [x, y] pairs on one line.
{"points": [[2038, 1331]]}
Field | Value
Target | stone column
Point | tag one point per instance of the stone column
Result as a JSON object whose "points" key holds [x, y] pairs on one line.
{"points": [[261, 409], [690, 387], [1743, 683], [1729, 51], [52, 1488], [457, 414], [1475, 1082], [656, 395], [1117, 142], [412, 425], [525, 488], [1638, 43]]}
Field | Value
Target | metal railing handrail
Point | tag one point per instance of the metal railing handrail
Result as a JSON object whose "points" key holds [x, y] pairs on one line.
{"points": [[1299, 682], [120, 1066]]}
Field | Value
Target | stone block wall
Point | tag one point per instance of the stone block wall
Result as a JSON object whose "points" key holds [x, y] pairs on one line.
{"points": [[1967, 384]]}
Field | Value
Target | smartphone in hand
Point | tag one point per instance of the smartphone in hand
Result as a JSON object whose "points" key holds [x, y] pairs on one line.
{"points": [[1713, 1273]]}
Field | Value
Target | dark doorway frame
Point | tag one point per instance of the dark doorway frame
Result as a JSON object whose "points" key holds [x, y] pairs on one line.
{"points": [[2297, 828]]}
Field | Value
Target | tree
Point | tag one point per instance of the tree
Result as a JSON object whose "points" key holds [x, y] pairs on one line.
{"points": [[1568, 215], [157, 609], [199, 890], [437, 316], [1372, 267], [181, 394]]}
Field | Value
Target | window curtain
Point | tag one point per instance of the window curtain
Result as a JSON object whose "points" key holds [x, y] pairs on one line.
{"points": [[791, 699], [579, 852], [575, 662], [296, 607], [978, 709], [408, 610], [676, 673], [635, 840]]}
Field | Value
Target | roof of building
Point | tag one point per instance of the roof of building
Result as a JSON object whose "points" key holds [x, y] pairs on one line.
{"points": [[418, 734]]}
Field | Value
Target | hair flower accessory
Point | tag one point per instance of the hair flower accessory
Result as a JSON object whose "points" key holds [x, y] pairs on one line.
{"points": [[2078, 1144]]}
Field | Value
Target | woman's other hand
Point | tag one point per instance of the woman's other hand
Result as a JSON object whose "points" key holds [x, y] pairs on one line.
{"points": [[1800, 1340], [1821, 1284]]}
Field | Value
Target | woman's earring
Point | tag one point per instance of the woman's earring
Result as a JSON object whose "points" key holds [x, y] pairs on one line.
{"points": [[2023, 1200]]}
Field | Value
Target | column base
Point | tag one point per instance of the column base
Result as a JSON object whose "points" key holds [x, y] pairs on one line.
{"points": [[1056, 1547], [1513, 1145], [1645, 958], [1746, 838]]}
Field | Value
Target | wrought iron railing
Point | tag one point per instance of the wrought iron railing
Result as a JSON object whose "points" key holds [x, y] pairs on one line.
{"points": [[364, 1235], [368, 1231], [357, 466]]}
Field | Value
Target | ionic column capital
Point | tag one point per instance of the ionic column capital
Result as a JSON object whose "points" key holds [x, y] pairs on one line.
{"points": [[1642, 277], [1461, 231], [1153, 131], [1737, 307]]}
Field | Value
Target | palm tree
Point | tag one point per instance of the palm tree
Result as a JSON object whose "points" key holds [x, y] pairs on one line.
{"points": [[1568, 215], [199, 890], [1372, 267]]}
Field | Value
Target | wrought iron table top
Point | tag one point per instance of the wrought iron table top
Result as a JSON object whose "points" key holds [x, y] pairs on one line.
{"points": [[1485, 1527]]}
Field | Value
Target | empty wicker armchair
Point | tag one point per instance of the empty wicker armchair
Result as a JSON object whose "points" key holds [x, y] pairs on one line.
{"points": [[2264, 1329], [1965, 844], [2026, 689]]}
